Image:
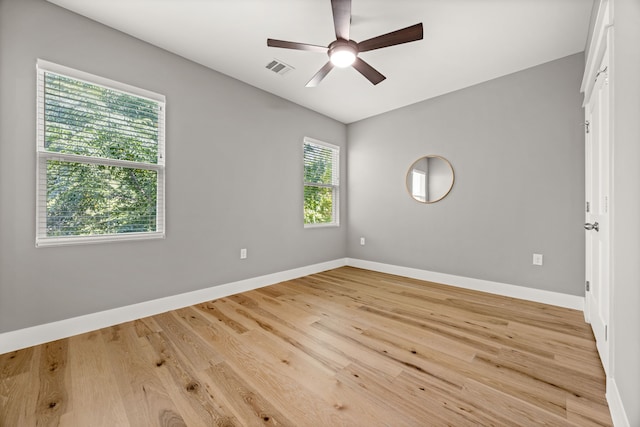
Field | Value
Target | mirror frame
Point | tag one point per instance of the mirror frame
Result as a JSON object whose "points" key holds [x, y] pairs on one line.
{"points": [[430, 156]]}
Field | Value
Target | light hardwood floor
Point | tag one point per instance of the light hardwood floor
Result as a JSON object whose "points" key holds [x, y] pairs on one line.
{"points": [[344, 347]]}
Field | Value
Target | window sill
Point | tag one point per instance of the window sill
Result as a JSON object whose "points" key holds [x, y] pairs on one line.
{"points": [[87, 240], [322, 225]]}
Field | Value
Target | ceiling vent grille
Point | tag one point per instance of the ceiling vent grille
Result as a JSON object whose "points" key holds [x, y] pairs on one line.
{"points": [[279, 67]]}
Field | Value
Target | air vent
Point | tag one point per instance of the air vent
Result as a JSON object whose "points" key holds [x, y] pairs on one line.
{"points": [[279, 67]]}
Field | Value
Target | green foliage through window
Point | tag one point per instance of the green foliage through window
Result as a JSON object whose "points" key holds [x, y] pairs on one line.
{"points": [[321, 181], [318, 205], [100, 159], [90, 199], [91, 120]]}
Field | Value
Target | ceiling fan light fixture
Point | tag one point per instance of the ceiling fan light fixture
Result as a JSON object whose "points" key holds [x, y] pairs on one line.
{"points": [[342, 56], [342, 53]]}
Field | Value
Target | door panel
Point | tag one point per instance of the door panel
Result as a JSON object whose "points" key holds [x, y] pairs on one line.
{"points": [[597, 195]]}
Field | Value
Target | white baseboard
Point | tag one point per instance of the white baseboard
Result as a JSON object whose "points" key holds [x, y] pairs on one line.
{"points": [[618, 414], [27, 337], [504, 289]]}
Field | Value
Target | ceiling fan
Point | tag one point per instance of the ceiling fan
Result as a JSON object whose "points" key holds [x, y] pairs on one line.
{"points": [[343, 52]]}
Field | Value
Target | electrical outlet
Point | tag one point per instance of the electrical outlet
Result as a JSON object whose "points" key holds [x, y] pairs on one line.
{"points": [[537, 259], [362, 241], [243, 253]]}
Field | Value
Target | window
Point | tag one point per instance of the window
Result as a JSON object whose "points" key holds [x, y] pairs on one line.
{"points": [[419, 185], [321, 183], [100, 156]]}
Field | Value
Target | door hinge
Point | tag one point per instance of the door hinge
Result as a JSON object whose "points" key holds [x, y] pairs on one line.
{"points": [[586, 126], [587, 285], [606, 333], [588, 206], [602, 71]]}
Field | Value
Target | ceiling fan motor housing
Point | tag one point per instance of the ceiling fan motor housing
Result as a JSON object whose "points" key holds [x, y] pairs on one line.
{"points": [[342, 45]]}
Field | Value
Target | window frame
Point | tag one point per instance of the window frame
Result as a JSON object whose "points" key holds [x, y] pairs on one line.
{"points": [[419, 189], [43, 155], [335, 215]]}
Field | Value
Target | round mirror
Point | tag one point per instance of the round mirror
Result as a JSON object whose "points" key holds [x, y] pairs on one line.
{"points": [[430, 179]]}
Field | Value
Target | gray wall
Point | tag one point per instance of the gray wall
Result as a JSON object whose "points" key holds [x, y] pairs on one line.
{"points": [[516, 144], [625, 238], [234, 176]]}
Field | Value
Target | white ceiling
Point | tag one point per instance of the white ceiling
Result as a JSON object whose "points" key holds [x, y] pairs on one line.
{"points": [[465, 42]]}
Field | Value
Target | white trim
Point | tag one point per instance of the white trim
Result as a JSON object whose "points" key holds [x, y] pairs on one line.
{"points": [[618, 414], [600, 52], [335, 184], [43, 155], [27, 337], [44, 242], [596, 49], [93, 79], [321, 225], [308, 139], [76, 158], [22, 338], [537, 295]]}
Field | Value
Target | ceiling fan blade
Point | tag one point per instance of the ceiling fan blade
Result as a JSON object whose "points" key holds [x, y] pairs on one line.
{"points": [[294, 45], [341, 17], [315, 80], [405, 35], [368, 71]]}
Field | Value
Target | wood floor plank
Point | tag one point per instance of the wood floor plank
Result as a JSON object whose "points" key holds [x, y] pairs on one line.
{"points": [[389, 398], [218, 310], [286, 361], [585, 412], [568, 348], [91, 384], [185, 387], [400, 358], [200, 354], [287, 312], [250, 407], [288, 333], [18, 390], [471, 333], [395, 324], [134, 369], [563, 378], [450, 405], [288, 394], [489, 370], [146, 326], [346, 347], [53, 399], [16, 362], [591, 365], [509, 409]]}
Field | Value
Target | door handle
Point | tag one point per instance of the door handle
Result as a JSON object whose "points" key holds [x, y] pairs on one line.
{"points": [[594, 226]]}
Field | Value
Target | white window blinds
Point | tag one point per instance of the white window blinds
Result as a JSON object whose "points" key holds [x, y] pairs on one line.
{"points": [[321, 183], [100, 149]]}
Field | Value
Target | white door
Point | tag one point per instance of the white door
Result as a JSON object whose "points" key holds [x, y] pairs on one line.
{"points": [[597, 211]]}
